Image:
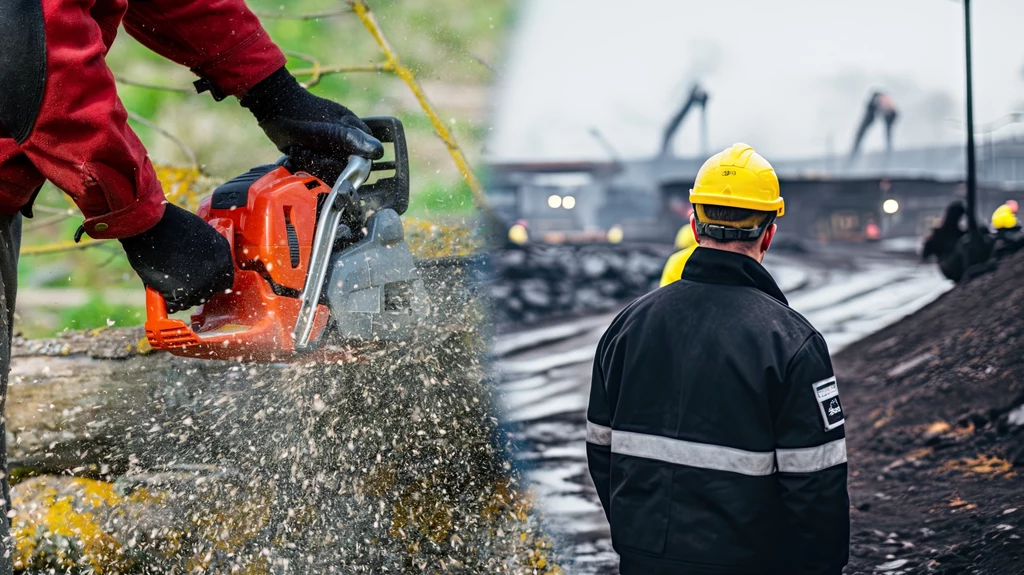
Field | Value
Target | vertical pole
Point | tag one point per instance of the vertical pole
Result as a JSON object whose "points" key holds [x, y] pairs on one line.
{"points": [[990, 173], [971, 168]]}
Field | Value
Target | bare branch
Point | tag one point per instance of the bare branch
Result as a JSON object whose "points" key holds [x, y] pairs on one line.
{"points": [[184, 147], [60, 247], [317, 72], [127, 82], [327, 70], [47, 221], [312, 61], [310, 16], [52, 210], [482, 61]]}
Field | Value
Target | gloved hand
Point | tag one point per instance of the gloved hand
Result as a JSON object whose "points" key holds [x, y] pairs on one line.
{"points": [[323, 166], [295, 119], [183, 258]]}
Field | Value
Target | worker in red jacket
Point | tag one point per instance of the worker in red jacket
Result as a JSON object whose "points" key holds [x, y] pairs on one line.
{"points": [[61, 120]]}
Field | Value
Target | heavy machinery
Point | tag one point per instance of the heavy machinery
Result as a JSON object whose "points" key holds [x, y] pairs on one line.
{"points": [[317, 268], [880, 104], [883, 196], [698, 97]]}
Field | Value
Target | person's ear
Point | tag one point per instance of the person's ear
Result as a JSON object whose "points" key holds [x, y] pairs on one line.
{"points": [[766, 238], [693, 228]]}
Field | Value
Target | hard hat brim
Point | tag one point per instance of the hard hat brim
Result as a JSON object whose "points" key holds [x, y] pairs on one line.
{"points": [[777, 205]]}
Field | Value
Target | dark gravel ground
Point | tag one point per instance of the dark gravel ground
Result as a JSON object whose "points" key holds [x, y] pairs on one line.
{"points": [[936, 434]]}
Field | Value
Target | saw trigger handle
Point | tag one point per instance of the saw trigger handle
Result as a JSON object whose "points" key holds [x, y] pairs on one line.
{"points": [[388, 184], [164, 332]]}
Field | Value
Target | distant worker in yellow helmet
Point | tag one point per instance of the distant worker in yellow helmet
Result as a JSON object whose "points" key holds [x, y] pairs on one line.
{"points": [[715, 434], [1004, 218], [686, 242], [1008, 236]]}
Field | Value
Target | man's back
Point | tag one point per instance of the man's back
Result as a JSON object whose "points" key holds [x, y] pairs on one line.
{"points": [[707, 431]]}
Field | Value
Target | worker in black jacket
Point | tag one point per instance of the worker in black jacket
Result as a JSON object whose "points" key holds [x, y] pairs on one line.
{"points": [[945, 241], [715, 433]]}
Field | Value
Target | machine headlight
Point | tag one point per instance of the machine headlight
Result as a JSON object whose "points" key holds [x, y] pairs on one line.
{"points": [[568, 202], [554, 201], [615, 235], [517, 234], [890, 206]]}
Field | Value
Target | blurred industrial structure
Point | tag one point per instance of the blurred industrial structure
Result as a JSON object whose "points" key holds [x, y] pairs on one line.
{"points": [[894, 193]]}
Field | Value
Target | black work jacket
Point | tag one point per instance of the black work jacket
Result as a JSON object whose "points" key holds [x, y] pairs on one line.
{"points": [[715, 435]]}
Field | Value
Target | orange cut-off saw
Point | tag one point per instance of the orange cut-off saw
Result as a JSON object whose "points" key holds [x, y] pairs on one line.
{"points": [[320, 270]]}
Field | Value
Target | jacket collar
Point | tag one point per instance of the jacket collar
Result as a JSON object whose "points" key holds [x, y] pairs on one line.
{"points": [[720, 267]]}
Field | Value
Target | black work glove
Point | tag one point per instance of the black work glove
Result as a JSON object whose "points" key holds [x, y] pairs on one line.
{"points": [[325, 167], [183, 258], [295, 119]]}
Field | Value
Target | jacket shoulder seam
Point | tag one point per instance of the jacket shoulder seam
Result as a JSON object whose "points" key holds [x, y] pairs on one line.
{"points": [[789, 365]]}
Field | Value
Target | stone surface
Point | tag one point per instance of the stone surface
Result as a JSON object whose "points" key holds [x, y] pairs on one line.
{"points": [[533, 283]]}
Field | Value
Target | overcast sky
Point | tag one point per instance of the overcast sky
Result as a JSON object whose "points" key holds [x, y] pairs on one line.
{"points": [[789, 77]]}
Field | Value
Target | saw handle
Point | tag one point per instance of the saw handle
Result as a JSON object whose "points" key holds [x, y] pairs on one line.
{"points": [[163, 331], [390, 187], [156, 305], [353, 176], [392, 191]]}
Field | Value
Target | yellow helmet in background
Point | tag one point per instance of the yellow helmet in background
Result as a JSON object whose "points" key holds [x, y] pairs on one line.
{"points": [[1003, 218], [685, 237], [738, 177]]}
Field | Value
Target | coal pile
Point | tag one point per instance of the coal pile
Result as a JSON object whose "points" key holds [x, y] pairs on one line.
{"points": [[536, 282], [936, 434]]}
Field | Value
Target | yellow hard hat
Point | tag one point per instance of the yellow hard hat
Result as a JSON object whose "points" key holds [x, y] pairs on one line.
{"points": [[737, 177], [685, 237], [1003, 218]]}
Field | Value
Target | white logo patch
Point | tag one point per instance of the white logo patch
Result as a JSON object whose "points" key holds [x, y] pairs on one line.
{"points": [[827, 394], [827, 391]]}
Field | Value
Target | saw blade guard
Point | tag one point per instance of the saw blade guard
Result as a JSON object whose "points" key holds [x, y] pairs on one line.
{"points": [[374, 289]]}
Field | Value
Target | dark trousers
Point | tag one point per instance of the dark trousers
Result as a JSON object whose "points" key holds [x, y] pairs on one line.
{"points": [[10, 244]]}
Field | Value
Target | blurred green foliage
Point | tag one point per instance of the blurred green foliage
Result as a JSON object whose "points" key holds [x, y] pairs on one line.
{"points": [[451, 45], [442, 198], [99, 311]]}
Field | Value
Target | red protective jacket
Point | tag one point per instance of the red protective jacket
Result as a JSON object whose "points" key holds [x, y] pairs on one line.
{"points": [[80, 139]]}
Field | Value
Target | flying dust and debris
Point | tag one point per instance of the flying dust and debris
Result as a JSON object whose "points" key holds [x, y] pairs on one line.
{"points": [[394, 464], [431, 240]]}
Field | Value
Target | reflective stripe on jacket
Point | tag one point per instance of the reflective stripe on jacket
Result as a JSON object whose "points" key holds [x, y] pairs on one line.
{"points": [[715, 434]]}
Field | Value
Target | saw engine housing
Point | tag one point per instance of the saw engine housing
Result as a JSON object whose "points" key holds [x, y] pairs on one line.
{"points": [[371, 293]]}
